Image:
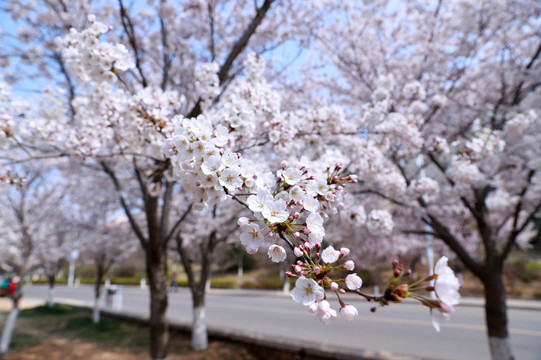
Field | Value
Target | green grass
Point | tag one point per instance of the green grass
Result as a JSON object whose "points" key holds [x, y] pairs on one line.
{"points": [[21, 341], [49, 311], [73, 322]]}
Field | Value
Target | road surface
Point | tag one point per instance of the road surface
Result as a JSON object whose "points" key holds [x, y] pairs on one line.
{"points": [[402, 329]]}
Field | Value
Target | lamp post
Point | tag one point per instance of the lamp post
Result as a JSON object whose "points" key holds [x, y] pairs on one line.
{"points": [[419, 161], [72, 258]]}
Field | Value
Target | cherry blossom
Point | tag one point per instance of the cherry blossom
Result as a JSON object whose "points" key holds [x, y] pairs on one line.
{"points": [[353, 281], [307, 291], [329, 255], [276, 253], [446, 284], [348, 312]]}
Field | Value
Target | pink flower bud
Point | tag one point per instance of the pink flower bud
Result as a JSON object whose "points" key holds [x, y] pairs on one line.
{"points": [[397, 272], [317, 270], [298, 269], [300, 263], [296, 234], [342, 291], [318, 255], [313, 307], [395, 262], [334, 286], [297, 252], [271, 233], [344, 251], [446, 308], [348, 312], [284, 164], [289, 274], [296, 215], [306, 231], [349, 265]]}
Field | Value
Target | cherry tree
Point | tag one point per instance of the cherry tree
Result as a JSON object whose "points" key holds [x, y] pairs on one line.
{"points": [[27, 215], [51, 253], [197, 117], [287, 205], [116, 117], [200, 236], [446, 95], [105, 235]]}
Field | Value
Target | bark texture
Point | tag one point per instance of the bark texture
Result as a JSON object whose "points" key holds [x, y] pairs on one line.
{"points": [[8, 328], [199, 328], [496, 316]]}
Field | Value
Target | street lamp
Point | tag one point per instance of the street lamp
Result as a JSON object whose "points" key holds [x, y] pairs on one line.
{"points": [[72, 258]]}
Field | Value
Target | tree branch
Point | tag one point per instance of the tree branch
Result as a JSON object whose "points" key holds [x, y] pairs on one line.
{"points": [[178, 223], [237, 49], [443, 233], [127, 211], [130, 31], [165, 56], [515, 231]]}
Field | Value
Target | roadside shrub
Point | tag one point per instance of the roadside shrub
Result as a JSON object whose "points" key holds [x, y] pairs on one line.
{"points": [[223, 283]]}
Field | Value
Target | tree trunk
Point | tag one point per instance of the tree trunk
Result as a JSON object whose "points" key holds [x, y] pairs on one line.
{"points": [[96, 310], [199, 323], [97, 294], [158, 326], [50, 299], [496, 316], [9, 327]]}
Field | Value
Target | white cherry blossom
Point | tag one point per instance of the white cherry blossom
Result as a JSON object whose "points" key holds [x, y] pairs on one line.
{"points": [[276, 253], [307, 291], [330, 255], [353, 282]]}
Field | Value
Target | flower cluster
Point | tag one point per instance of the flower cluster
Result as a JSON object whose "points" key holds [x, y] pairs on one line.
{"points": [[91, 60], [380, 222], [6, 120], [443, 282], [207, 83], [314, 276], [209, 170], [10, 178], [291, 203], [253, 108]]}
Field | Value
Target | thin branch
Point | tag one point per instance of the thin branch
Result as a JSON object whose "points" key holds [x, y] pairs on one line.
{"points": [[212, 44], [166, 55], [178, 223], [130, 31], [518, 208], [131, 219], [382, 195], [240, 45]]}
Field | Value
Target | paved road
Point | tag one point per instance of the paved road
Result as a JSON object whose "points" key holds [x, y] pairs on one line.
{"points": [[403, 329]]}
